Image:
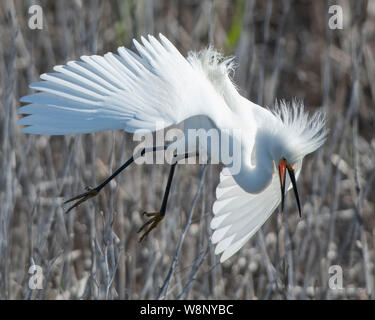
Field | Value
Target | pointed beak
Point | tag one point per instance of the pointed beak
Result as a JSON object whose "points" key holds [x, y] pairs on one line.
{"points": [[283, 166], [282, 175], [294, 183]]}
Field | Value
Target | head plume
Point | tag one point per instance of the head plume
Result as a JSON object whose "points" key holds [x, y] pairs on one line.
{"points": [[302, 133]]}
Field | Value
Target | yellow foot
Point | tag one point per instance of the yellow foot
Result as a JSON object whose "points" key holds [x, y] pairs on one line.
{"points": [[90, 193], [154, 221]]}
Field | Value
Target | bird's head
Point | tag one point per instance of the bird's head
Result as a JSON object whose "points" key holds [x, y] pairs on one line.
{"points": [[296, 135]]}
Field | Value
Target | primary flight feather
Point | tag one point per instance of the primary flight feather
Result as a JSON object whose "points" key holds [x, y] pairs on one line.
{"points": [[134, 92]]}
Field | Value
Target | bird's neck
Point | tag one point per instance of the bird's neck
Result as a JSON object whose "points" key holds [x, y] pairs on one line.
{"points": [[254, 178]]}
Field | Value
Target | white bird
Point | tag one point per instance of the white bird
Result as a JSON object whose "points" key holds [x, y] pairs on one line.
{"points": [[130, 92]]}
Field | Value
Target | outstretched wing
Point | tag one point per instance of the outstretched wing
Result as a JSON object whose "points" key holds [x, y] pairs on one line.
{"points": [[154, 89], [239, 214]]}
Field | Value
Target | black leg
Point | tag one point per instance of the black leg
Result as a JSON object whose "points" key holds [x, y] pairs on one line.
{"points": [[92, 192], [156, 217], [167, 189]]}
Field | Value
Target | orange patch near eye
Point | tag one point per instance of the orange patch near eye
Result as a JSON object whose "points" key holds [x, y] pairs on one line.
{"points": [[282, 168]]}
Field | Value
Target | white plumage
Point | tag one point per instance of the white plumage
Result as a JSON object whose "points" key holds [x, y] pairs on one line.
{"points": [[135, 92]]}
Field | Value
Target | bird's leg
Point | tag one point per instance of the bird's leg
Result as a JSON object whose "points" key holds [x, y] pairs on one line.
{"points": [[159, 216], [92, 192]]}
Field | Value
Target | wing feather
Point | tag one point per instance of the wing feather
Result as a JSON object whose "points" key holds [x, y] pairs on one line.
{"points": [[122, 91], [238, 214]]}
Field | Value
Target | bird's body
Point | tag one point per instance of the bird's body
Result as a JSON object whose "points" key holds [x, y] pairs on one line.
{"points": [[133, 93]]}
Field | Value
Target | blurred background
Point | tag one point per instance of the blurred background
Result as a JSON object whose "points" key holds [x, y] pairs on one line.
{"points": [[284, 49]]}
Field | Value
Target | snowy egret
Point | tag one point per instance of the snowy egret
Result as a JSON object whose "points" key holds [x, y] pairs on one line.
{"points": [[131, 91]]}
